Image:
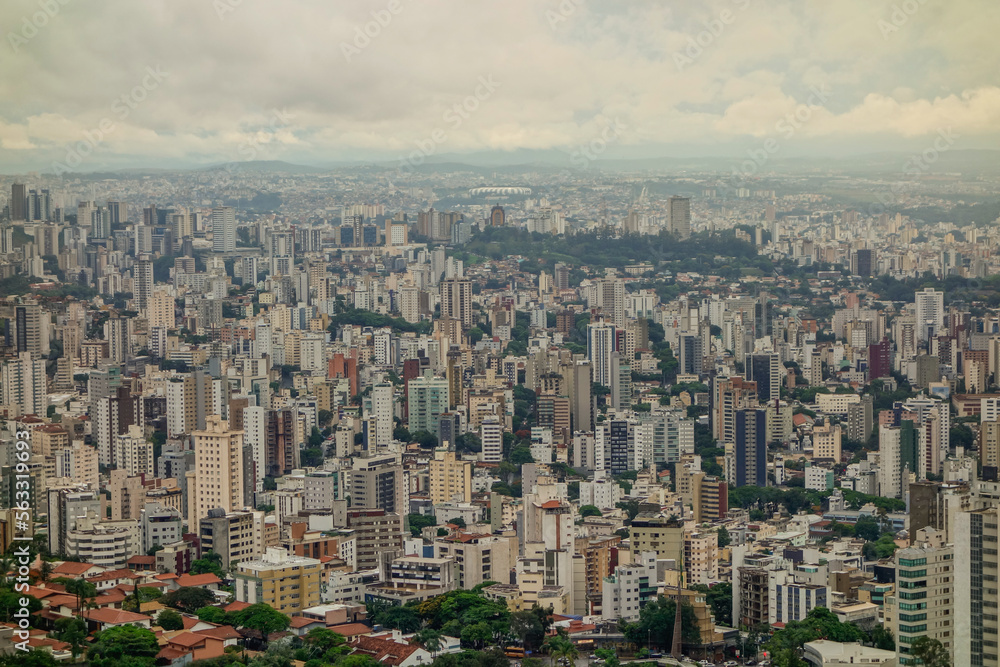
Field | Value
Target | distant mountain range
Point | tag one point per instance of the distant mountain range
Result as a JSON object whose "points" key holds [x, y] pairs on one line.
{"points": [[509, 163]]}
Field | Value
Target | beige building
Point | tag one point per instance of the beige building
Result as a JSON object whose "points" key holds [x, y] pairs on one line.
{"points": [[826, 442], [286, 583], [79, 463], [160, 310], [450, 478], [478, 558], [47, 439], [218, 473], [701, 558]]}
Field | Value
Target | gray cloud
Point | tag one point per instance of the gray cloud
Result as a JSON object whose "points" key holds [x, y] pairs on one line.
{"points": [[564, 74]]}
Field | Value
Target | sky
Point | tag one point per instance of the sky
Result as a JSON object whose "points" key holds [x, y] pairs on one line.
{"points": [[88, 86]]}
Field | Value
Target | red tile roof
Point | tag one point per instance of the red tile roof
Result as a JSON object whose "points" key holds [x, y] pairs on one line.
{"points": [[207, 579], [114, 616], [221, 632], [350, 629], [71, 568], [384, 651]]}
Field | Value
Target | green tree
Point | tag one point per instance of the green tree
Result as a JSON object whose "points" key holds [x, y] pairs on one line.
{"points": [[589, 510], [405, 619], [561, 648], [81, 588], [73, 631], [930, 652], [209, 563], [819, 623], [724, 539], [867, 528], [881, 637], [32, 658], [477, 634], [262, 618], [124, 645], [720, 600], [430, 639], [210, 614], [521, 455], [609, 657], [420, 521], [326, 644], [189, 598], [10, 604], [655, 627], [168, 619]]}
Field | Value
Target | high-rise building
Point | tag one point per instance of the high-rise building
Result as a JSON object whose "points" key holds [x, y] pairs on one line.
{"points": [[382, 412], [679, 209], [114, 415], [31, 328], [223, 229], [24, 384], [930, 314], [691, 354], [765, 369], [612, 300], [860, 418], [863, 262], [377, 483], [751, 447], [560, 277], [880, 360], [498, 218], [218, 469], [456, 300], [117, 212], [491, 436], [116, 332], [617, 447], [973, 628], [379, 535], [899, 449], [143, 279], [67, 505], [927, 589], [427, 399], [450, 478], [600, 346], [18, 202]]}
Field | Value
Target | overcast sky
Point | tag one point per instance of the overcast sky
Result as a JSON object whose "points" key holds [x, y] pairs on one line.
{"points": [[207, 81]]}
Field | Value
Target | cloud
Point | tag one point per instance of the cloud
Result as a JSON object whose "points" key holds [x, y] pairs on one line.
{"points": [[758, 61]]}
